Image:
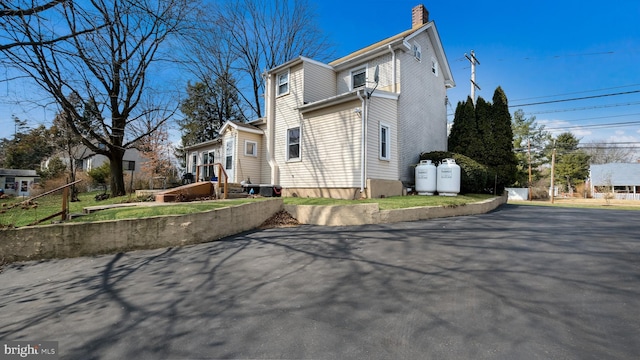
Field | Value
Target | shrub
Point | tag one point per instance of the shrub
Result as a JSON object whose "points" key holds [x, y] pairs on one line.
{"points": [[474, 177]]}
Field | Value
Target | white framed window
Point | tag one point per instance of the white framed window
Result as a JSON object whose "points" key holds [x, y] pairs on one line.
{"points": [[228, 154], [385, 142], [250, 148], [283, 83], [293, 143], [10, 183], [417, 51], [194, 163], [358, 78], [434, 66], [209, 159]]}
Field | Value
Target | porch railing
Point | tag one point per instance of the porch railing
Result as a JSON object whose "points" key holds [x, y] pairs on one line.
{"points": [[221, 172]]}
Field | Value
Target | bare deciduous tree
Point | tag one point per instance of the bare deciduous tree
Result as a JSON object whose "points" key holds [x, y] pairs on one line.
{"points": [[107, 69], [19, 13], [247, 37], [604, 152]]}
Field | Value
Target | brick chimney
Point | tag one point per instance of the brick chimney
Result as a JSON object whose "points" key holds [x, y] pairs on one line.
{"points": [[419, 16]]}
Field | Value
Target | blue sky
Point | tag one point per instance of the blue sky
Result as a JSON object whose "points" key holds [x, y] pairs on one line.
{"points": [[537, 51], [534, 50]]}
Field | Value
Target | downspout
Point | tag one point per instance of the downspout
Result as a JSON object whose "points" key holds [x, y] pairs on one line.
{"points": [[393, 64], [270, 105], [363, 160]]}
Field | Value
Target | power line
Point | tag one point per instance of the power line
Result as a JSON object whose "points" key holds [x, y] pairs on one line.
{"points": [[575, 92], [579, 98], [584, 108], [593, 126]]}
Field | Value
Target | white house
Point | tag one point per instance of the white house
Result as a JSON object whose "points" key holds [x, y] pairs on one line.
{"points": [[351, 128], [85, 159]]}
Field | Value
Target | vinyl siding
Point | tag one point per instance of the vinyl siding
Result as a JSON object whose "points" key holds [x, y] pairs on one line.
{"points": [[382, 111], [249, 167], [385, 64], [422, 123], [286, 117], [330, 150], [319, 82]]}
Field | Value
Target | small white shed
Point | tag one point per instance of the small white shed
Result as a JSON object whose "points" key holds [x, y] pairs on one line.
{"points": [[17, 182]]}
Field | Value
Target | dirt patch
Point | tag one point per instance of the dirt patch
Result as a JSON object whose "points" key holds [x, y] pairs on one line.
{"points": [[279, 219]]}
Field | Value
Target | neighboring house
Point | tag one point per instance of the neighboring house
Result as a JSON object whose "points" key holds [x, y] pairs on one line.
{"points": [[348, 129], [17, 182], [622, 179], [85, 159]]}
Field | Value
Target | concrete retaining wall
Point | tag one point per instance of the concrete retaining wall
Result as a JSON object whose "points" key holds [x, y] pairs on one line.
{"points": [[370, 214], [85, 239]]}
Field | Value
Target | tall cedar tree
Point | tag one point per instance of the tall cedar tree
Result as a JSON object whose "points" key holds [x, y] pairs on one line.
{"points": [[464, 138], [502, 158], [483, 153]]}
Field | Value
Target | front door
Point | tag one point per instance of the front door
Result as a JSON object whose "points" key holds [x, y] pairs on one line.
{"points": [[228, 159]]}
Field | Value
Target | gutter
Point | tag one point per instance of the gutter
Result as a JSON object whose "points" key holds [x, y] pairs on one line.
{"points": [[270, 103], [393, 64], [363, 155]]}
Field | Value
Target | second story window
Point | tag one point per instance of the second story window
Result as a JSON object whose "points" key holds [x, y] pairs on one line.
{"points": [[283, 83], [358, 78], [417, 51], [434, 66]]}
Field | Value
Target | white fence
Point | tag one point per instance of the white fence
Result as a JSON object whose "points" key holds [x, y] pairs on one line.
{"points": [[618, 196]]}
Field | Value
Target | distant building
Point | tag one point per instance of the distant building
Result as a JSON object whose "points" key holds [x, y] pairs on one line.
{"points": [[18, 182], [623, 179]]}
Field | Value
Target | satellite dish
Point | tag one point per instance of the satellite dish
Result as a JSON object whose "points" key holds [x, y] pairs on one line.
{"points": [[376, 74]]}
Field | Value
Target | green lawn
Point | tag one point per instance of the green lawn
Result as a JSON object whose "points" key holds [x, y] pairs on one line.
{"points": [[51, 204], [395, 202]]}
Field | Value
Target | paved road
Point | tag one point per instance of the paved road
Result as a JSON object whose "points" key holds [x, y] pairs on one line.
{"points": [[519, 283]]}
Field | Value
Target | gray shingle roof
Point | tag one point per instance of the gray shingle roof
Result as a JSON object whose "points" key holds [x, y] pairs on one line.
{"points": [[17, 172], [616, 174]]}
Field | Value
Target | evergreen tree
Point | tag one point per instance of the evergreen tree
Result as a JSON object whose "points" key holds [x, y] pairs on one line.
{"points": [[464, 138], [483, 153], [572, 163], [28, 148], [502, 157], [527, 133]]}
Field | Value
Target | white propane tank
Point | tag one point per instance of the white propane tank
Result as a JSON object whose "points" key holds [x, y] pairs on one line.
{"points": [[425, 178], [448, 178]]}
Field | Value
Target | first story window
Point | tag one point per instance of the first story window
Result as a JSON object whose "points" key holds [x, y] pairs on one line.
{"points": [[250, 148], [194, 163], [10, 183], [385, 142], [209, 159], [228, 155], [358, 78], [293, 143], [128, 165]]}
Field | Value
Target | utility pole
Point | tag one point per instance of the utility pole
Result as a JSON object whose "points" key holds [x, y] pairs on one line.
{"points": [[529, 151], [553, 171], [473, 60]]}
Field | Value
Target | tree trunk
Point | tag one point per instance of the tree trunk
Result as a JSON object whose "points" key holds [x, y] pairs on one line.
{"points": [[117, 173]]}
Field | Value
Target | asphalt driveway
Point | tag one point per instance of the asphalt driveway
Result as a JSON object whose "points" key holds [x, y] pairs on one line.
{"points": [[519, 283]]}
